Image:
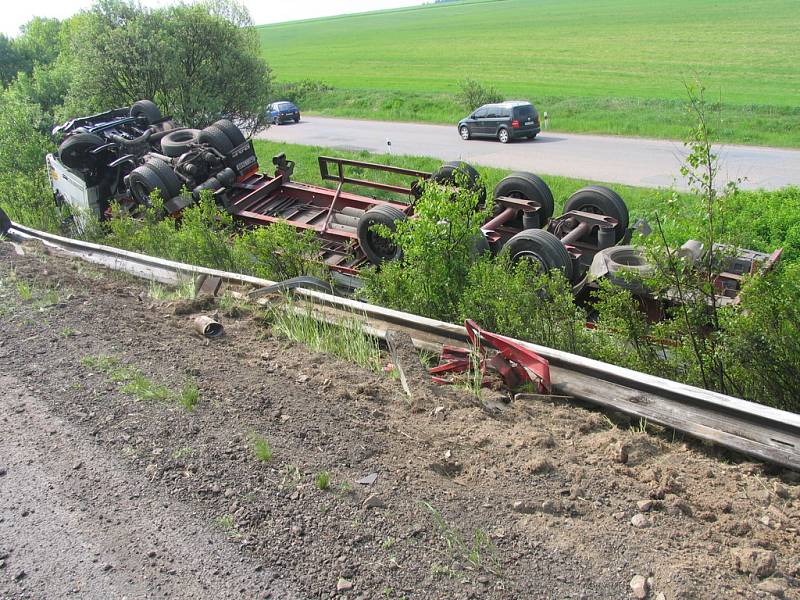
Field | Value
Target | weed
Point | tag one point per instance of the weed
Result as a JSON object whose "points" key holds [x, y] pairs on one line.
{"points": [[227, 523], [344, 488], [182, 452], [68, 332], [388, 543], [24, 291], [137, 384], [323, 480], [184, 291], [189, 396], [640, 428], [261, 448], [479, 551], [346, 340]]}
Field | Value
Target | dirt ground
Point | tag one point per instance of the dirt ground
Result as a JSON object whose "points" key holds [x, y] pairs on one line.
{"points": [[108, 493]]}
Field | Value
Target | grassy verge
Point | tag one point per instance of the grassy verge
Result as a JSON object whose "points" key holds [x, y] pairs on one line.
{"points": [[755, 124]]}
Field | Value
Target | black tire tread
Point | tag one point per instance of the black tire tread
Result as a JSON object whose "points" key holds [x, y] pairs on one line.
{"points": [[173, 146], [381, 213], [549, 245], [234, 134], [544, 194], [216, 138], [615, 205], [148, 109], [74, 151], [172, 185]]}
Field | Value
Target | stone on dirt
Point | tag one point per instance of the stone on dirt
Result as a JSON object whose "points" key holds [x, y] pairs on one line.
{"points": [[640, 521], [343, 585], [374, 501], [414, 377], [521, 506], [775, 587], [639, 587], [619, 453], [644, 505], [756, 561]]}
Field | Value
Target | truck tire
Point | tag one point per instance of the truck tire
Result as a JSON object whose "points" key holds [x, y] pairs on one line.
{"points": [[626, 267], [74, 151], [600, 200], [167, 175], [528, 187], [145, 178], [5, 222], [216, 138], [457, 173], [377, 248], [176, 142], [147, 110], [234, 134], [542, 247]]}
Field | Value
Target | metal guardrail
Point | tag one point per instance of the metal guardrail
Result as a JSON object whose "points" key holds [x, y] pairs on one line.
{"points": [[760, 431]]}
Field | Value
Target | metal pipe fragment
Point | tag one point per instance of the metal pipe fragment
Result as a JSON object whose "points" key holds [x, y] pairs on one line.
{"points": [[208, 327]]}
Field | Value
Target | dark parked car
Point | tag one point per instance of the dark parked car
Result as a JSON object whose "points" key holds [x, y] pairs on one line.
{"points": [[282, 112], [504, 121]]}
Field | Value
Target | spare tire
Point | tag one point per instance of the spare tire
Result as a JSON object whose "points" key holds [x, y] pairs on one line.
{"points": [[528, 187], [542, 247], [176, 142], [600, 200], [460, 174], [5, 222], [234, 134], [216, 138], [624, 266], [377, 248], [146, 110], [74, 151]]}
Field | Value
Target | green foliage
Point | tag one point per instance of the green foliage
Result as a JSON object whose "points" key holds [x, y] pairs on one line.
{"points": [[471, 94], [517, 301], [439, 246], [323, 480], [197, 62], [261, 448], [346, 340], [300, 92], [278, 252]]}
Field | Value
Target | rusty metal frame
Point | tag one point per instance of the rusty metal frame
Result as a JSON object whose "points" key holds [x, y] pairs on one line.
{"points": [[339, 175]]}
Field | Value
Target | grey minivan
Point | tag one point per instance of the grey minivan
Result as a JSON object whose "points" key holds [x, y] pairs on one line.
{"points": [[505, 121]]}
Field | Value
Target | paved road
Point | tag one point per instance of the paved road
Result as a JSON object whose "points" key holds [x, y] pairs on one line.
{"points": [[633, 161]]}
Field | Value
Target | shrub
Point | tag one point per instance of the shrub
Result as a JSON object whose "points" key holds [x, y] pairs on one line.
{"points": [[439, 245], [472, 94], [278, 252], [300, 92]]}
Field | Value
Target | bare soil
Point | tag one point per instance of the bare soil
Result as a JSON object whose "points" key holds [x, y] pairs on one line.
{"points": [[107, 494]]}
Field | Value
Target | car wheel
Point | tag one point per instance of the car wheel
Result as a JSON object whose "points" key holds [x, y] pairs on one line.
{"points": [[464, 132], [297, 119], [502, 135], [532, 137]]}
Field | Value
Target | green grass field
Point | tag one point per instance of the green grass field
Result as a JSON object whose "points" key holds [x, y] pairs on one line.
{"points": [[612, 66]]}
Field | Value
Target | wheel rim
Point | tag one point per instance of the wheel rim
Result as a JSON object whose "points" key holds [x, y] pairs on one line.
{"points": [[532, 257], [464, 133], [503, 135], [382, 246]]}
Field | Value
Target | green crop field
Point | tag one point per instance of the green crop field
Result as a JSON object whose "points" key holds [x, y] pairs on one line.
{"points": [[612, 66]]}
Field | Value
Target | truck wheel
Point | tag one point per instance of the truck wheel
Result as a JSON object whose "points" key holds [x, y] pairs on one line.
{"points": [[147, 110], [600, 200], [234, 134], [5, 222], [377, 248], [172, 185], [177, 142], [528, 187], [626, 267], [146, 178], [74, 151], [540, 247], [216, 138], [459, 173]]}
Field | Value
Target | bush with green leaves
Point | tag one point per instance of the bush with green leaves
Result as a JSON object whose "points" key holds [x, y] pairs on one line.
{"points": [[300, 92], [439, 246], [472, 94], [518, 301]]}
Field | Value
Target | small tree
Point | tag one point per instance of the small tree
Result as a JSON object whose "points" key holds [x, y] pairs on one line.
{"points": [[472, 94]]}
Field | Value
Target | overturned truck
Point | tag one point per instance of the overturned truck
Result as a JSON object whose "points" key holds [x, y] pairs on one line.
{"points": [[124, 155]]}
